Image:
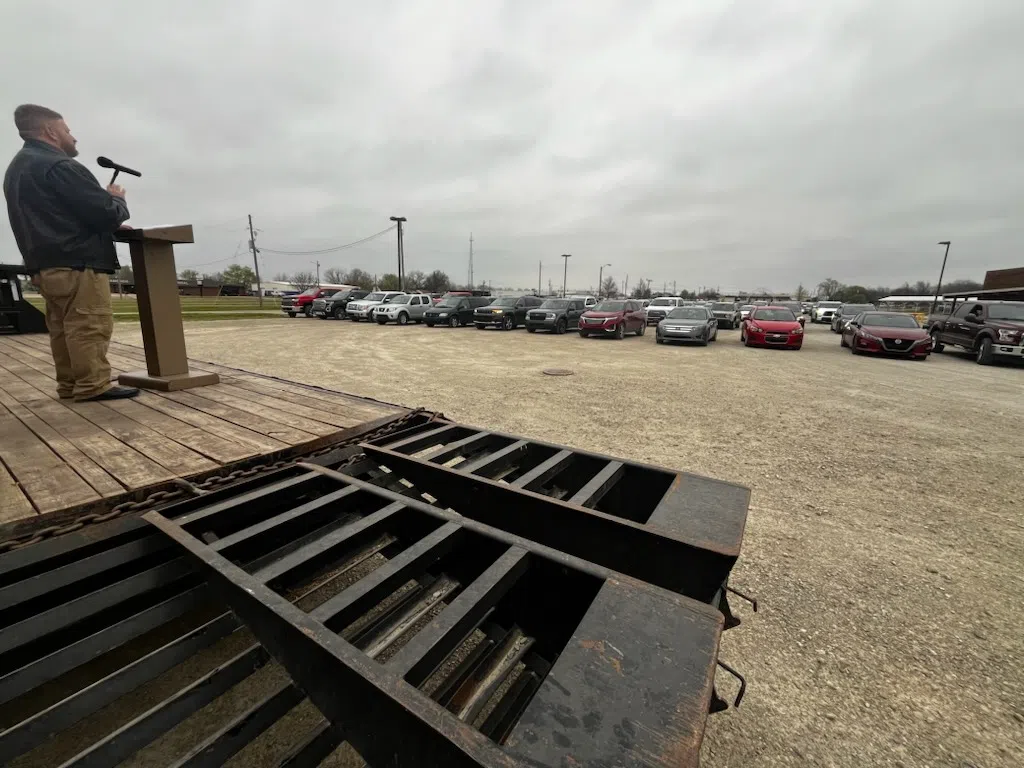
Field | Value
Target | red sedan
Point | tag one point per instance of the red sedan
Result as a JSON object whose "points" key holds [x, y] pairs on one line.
{"points": [[615, 318], [772, 327], [887, 333]]}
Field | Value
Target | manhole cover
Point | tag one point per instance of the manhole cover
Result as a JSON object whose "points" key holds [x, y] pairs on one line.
{"points": [[557, 372]]}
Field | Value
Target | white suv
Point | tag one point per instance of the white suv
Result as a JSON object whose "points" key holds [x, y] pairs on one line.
{"points": [[824, 310]]}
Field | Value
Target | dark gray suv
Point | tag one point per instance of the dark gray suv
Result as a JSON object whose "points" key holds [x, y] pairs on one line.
{"points": [[556, 315]]}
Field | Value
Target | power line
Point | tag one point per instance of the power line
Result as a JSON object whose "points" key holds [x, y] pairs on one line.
{"points": [[280, 252]]}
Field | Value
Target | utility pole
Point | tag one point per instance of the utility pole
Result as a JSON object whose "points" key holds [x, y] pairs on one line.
{"points": [[565, 271], [942, 272], [539, 268], [470, 285], [625, 286], [600, 279], [318, 274], [401, 252], [255, 261], [674, 293], [551, 289]]}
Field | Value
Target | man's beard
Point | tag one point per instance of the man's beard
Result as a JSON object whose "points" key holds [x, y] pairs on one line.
{"points": [[71, 151]]}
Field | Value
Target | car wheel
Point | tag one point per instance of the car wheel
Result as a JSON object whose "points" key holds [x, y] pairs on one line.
{"points": [[454, 322], [658, 339], [584, 334], [339, 314], [308, 311], [642, 329], [534, 330], [620, 331], [403, 318], [560, 327], [291, 314], [354, 319], [430, 325], [479, 326], [853, 346], [842, 341], [508, 323], [937, 346], [984, 352]]}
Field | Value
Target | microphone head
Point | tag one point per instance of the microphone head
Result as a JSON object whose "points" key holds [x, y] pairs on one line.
{"points": [[105, 162]]}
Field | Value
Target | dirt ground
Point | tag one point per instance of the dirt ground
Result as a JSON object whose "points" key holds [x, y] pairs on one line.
{"points": [[886, 531]]}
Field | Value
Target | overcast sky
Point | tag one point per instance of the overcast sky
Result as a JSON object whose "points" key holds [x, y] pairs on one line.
{"points": [[738, 144]]}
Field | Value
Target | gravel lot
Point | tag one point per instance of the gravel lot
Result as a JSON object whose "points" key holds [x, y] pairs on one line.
{"points": [[885, 538]]}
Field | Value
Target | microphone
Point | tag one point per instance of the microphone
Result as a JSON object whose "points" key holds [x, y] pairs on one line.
{"points": [[106, 162]]}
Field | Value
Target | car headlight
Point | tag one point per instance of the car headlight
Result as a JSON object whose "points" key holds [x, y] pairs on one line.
{"points": [[443, 314], [870, 337], [755, 328], [550, 316], [499, 311], [797, 331], [1008, 335]]}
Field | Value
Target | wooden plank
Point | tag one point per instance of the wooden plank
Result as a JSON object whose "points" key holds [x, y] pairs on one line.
{"points": [[97, 477], [272, 412], [326, 414], [340, 413], [14, 504], [263, 383], [261, 443], [41, 473], [282, 432], [174, 457], [217, 447], [126, 464]]}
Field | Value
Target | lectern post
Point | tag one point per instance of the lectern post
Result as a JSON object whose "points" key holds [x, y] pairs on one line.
{"points": [[156, 286]]}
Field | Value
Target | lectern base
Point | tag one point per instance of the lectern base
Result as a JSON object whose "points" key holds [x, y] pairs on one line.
{"points": [[144, 380]]}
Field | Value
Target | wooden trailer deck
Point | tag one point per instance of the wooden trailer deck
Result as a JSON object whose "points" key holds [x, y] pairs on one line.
{"points": [[57, 454]]}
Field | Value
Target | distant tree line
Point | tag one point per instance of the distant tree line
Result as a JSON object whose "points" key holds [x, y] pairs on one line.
{"points": [[237, 274], [832, 290]]}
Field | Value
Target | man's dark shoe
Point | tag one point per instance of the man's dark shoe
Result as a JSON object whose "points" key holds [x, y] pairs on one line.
{"points": [[114, 393]]}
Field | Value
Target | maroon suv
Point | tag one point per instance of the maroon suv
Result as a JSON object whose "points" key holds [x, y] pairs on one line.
{"points": [[614, 317]]}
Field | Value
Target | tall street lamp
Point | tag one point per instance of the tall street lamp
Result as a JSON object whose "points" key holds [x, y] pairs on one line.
{"points": [[600, 279], [401, 252], [938, 287], [565, 271]]}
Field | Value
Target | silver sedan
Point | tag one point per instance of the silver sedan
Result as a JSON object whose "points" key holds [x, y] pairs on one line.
{"points": [[692, 324]]}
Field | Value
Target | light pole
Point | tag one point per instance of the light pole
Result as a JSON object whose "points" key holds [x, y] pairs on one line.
{"points": [[401, 252], [942, 271], [600, 279], [565, 271]]}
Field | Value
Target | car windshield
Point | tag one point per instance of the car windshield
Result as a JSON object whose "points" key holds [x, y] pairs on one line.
{"points": [[774, 315], [397, 299], [375, 296], [447, 304], [610, 306], [889, 320], [663, 303], [688, 313], [555, 304], [340, 295], [856, 309], [1006, 311], [792, 306], [829, 304], [310, 292], [723, 306], [505, 301]]}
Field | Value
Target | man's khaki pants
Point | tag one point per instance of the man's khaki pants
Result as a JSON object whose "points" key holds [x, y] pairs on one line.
{"points": [[80, 321]]}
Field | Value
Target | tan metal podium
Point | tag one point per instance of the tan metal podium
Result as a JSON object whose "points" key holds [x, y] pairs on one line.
{"points": [[156, 285]]}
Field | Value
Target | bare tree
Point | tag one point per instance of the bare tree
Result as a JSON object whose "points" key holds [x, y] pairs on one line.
{"points": [[388, 282], [360, 278], [335, 276], [436, 282], [801, 292], [609, 287], [414, 280], [190, 276], [830, 288], [303, 280]]}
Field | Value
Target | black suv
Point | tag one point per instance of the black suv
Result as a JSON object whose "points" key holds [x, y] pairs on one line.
{"points": [[334, 305], [505, 312], [454, 310], [558, 315]]}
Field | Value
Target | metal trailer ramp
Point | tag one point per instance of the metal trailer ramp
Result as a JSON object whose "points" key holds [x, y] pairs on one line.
{"points": [[424, 636]]}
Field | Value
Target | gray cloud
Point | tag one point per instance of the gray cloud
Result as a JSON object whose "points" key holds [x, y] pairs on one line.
{"points": [[789, 140]]}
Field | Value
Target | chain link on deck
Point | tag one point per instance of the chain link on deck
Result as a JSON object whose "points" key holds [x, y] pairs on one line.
{"points": [[186, 488]]}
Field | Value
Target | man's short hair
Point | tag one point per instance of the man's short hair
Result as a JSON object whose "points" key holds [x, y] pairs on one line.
{"points": [[30, 119]]}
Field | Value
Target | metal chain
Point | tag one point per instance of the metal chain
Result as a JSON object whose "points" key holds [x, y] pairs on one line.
{"points": [[187, 488]]}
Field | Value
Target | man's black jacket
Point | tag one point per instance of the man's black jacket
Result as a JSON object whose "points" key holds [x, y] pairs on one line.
{"points": [[60, 214]]}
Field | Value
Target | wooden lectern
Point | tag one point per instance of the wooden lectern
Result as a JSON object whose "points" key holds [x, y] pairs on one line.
{"points": [[156, 285]]}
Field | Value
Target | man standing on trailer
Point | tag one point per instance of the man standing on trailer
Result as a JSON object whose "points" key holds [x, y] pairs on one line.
{"points": [[63, 222]]}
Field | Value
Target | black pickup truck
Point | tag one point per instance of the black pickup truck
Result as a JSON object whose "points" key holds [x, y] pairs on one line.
{"points": [[989, 329]]}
